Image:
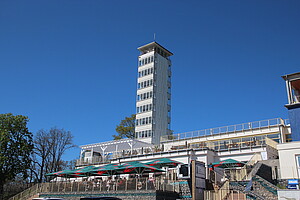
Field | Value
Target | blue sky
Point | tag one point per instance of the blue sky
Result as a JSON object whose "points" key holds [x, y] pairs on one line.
{"points": [[73, 64]]}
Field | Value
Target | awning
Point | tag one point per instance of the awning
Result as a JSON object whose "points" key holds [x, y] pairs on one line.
{"points": [[228, 163], [163, 162]]}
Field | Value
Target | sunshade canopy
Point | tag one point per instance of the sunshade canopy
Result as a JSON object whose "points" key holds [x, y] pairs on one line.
{"points": [[109, 169], [163, 162], [84, 171], [228, 163], [65, 174], [137, 168]]}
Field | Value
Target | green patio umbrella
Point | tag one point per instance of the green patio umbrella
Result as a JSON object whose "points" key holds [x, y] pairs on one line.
{"points": [[228, 163], [106, 170], [84, 171], [163, 162], [137, 168], [64, 174]]}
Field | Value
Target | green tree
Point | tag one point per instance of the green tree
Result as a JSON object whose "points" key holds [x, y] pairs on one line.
{"points": [[15, 148], [126, 128]]}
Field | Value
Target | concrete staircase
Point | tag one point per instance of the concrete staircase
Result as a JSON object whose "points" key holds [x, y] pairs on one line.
{"points": [[241, 186], [264, 188]]}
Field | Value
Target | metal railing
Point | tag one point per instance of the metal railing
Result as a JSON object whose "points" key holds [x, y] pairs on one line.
{"points": [[219, 193], [132, 184], [271, 143], [254, 159], [226, 129], [93, 160], [27, 193]]}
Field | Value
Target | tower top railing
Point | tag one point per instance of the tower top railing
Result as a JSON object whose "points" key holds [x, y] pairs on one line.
{"points": [[226, 129]]}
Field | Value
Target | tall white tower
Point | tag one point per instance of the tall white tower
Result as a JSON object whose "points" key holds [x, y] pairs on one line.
{"points": [[153, 105]]}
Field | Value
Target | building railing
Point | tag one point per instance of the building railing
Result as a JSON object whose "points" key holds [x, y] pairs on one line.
{"points": [[226, 129], [271, 143], [119, 154], [254, 159], [95, 160], [27, 193], [133, 184]]}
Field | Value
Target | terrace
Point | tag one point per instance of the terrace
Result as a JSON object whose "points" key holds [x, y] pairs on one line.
{"points": [[261, 134]]}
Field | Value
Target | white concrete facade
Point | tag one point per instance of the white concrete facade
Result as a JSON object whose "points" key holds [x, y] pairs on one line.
{"points": [[289, 160], [153, 93]]}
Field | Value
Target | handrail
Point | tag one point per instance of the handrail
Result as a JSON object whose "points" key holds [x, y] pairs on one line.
{"points": [[29, 192], [271, 143], [225, 129], [254, 159], [224, 190], [134, 184]]}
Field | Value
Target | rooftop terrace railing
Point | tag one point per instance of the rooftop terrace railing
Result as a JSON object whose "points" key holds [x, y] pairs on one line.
{"points": [[226, 129]]}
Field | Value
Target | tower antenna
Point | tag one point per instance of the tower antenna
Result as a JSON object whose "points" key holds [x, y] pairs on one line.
{"points": [[154, 37]]}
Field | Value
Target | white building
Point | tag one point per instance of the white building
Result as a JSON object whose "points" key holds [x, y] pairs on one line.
{"points": [[247, 142], [153, 93], [289, 160]]}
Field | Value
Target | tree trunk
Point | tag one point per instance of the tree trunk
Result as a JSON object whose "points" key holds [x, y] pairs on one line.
{"points": [[42, 171]]}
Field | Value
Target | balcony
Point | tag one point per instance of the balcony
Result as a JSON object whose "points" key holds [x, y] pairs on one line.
{"points": [[95, 160]]}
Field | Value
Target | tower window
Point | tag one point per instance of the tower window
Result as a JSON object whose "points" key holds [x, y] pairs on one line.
{"points": [[146, 61]]}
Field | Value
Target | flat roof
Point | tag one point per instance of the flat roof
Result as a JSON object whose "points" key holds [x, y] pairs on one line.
{"points": [[112, 146], [146, 47], [291, 76]]}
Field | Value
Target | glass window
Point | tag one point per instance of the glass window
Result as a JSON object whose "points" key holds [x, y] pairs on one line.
{"points": [[298, 164]]}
